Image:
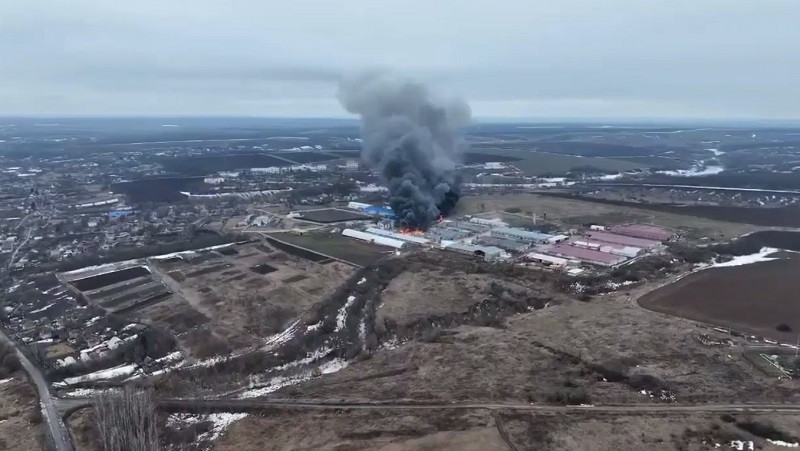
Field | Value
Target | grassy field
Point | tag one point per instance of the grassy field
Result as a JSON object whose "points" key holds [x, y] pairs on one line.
{"points": [[578, 213], [335, 245]]}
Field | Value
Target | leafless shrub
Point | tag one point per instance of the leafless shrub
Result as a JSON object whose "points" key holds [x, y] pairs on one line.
{"points": [[126, 420]]}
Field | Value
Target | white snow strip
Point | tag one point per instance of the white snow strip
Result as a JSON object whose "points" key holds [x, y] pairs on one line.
{"points": [[758, 257], [39, 310], [282, 337], [342, 315], [785, 444], [110, 373], [278, 382], [82, 393], [171, 357], [220, 422], [4, 381], [742, 445], [695, 171], [363, 279]]}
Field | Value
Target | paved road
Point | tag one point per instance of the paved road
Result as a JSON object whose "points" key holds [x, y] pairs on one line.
{"points": [[58, 431]]}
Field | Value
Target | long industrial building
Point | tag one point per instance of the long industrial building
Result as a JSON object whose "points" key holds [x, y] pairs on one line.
{"points": [[613, 238], [512, 233], [587, 255], [372, 238], [398, 236]]}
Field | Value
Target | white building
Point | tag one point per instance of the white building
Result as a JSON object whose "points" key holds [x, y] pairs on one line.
{"points": [[547, 260], [357, 205], [494, 222], [372, 238], [512, 233], [398, 236]]}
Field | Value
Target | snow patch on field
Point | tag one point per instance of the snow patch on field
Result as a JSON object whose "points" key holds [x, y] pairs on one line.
{"points": [[110, 373], [39, 310], [758, 257], [282, 337], [742, 445], [82, 393], [696, 171], [219, 421], [278, 382], [342, 315], [5, 381], [784, 444]]}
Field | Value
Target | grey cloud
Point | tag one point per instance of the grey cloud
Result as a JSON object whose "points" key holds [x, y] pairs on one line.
{"points": [[516, 57]]}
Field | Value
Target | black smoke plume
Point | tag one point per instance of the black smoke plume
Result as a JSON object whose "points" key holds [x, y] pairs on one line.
{"points": [[411, 139]]}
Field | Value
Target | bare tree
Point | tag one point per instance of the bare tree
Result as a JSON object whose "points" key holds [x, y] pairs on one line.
{"points": [[126, 420]]}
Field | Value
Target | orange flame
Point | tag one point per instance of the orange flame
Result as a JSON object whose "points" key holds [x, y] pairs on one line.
{"points": [[410, 231]]}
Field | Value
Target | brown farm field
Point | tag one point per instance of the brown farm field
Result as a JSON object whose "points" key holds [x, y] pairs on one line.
{"points": [[752, 298]]}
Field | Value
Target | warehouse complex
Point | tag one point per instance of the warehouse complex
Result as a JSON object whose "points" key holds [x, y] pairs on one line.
{"points": [[495, 240]]}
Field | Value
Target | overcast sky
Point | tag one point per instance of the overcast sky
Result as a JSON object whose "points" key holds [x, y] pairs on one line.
{"points": [[507, 58]]}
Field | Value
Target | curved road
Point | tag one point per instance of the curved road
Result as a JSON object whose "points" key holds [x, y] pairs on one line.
{"points": [[58, 431]]}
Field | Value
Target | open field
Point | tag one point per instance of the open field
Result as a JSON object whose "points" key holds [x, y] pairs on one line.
{"points": [[501, 430], [427, 290], [387, 430], [605, 351], [752, 298], [328, 215], [348, 249], [777, 217], [576, 213], [21, 422], [535, 163], [238, 299]]}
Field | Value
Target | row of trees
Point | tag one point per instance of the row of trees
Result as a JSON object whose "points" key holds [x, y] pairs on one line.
{"points": [[126, 420]]}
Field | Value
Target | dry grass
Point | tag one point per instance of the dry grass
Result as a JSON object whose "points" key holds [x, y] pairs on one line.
{"points": [[427, 291], [387, 430], [20, 429], [81, 427], [573, 212]]}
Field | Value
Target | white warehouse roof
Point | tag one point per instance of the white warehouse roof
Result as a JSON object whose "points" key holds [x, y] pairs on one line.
{"points": [[398, 236], [372, 238], [520, 233]]}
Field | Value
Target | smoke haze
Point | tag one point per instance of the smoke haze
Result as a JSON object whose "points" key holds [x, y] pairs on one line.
{"points": [[411, 139]]}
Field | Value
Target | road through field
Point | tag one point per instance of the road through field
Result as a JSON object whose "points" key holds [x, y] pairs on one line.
{"points": [[251, 405], [56, 428]]}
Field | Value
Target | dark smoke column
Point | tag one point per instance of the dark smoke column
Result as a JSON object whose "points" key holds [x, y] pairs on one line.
{"points": [[411, 140]]}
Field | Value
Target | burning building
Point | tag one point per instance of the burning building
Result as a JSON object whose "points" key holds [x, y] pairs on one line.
{"points": [[411, 140]]}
